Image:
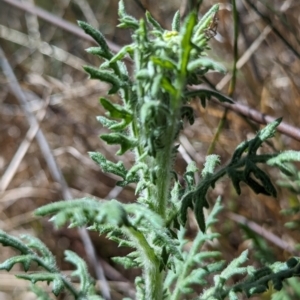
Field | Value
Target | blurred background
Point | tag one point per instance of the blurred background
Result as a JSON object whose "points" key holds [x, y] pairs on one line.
{"points": [[42, 54]]}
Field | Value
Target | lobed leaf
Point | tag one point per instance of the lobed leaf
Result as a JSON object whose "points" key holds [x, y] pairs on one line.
{"points": [[75, 211], [87, 283], [125, 142], [126, 20], [25, 260], [8, 240], [57, 283], [153, 22], [108, 166], [176, 21], [98, 37], [206, 20], [211, 161], [206, 64], [204, 94], [37, 245], [264, 134], [105, 76], [98, 52]]}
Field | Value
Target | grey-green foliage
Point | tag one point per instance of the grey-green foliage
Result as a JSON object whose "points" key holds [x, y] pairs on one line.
{"points": [[256, 282], [155, 103], [34, 251]]}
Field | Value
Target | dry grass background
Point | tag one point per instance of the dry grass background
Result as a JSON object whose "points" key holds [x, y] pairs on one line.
{"points": [[46, 60]]}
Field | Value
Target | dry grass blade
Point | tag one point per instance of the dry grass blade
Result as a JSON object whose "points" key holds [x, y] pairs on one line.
{"points": [[245, 57], [65, 25], [43, 47], [23, 148]]}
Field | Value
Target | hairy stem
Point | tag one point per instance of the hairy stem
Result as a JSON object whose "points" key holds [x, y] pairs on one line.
{"points": [[152, 274], [165, 165]]}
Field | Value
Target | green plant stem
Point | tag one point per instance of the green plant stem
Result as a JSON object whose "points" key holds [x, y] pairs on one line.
{"points": [[235, 49], [165, 159], [233, 79], [165, 165], [217, 134], [152, 274]]}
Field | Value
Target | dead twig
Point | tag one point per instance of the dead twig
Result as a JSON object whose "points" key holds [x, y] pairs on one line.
{"points": [[58, 22], [254, 115], [264, 233], [22, 150]]}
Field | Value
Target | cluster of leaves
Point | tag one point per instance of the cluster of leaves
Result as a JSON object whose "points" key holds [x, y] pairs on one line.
{"points": [[125, 225], [147, 122], [34, 251], [243, 167], [257, 281], [128, 225]]}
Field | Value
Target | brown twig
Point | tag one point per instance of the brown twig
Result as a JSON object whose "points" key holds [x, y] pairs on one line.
{"points": [[264, 233], [253, 115], [57, 22], [260, 118]]}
